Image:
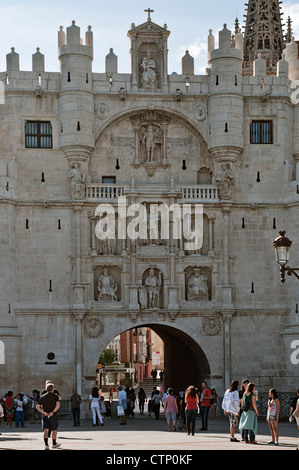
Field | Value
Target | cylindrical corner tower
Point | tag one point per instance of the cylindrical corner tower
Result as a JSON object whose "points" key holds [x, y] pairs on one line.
{"points": [[76, 102]]}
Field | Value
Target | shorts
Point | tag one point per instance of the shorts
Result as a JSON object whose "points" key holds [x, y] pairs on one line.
{"points": [[170, 416], [233, 419], [50, 423]]}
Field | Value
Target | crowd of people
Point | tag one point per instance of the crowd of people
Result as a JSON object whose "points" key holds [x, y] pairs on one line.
{"points": [[180, 409]]}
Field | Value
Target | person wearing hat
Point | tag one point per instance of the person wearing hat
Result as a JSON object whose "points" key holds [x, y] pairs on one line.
{"points": [[122, 401]]}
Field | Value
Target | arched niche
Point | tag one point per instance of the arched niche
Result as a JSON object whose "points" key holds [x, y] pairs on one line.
{"points": [[107, 283]]}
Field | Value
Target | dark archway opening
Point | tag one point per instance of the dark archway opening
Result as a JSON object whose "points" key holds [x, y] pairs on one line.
{"points": [[184, 361]]}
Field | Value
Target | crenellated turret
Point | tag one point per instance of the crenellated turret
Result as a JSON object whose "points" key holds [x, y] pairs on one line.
{"points": [[76, 102], [225, 97]]}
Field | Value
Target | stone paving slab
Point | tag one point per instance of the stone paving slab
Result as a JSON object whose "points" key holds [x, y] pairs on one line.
{"points": [[143, 434]]}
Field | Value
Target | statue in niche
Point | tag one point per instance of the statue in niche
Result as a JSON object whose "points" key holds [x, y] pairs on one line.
{"points": [[153, 285], [148, 70], [149, 141], [108, 246], [151, 138], [198, 286], [78, 181], [225, 181], [107, 286]]}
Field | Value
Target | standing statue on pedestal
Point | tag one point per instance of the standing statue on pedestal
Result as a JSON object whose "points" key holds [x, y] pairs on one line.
{"points": [[78, 181], [149, 142], [149, 75], [153, 284], [198, 286], [107, 286]]}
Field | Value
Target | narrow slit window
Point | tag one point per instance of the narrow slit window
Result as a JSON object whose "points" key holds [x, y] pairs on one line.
{"points": [[38, 134]]}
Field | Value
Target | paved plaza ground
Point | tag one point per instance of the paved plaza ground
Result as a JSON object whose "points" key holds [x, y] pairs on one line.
{"points": [[143, 433]]}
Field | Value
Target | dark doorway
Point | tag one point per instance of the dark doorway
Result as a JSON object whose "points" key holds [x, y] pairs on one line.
{"points": [[184, 361]]}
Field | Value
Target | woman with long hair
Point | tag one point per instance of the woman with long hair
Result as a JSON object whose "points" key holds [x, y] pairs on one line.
{"points": [[192, 400], [248, 421], [94, 406], [273, 415]]}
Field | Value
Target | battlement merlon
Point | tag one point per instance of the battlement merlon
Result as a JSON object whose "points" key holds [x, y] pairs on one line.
{"points": [[70, 43], [226, 48]]}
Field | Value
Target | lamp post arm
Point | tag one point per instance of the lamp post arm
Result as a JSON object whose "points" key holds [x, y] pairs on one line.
{"points": [[289, 271]]}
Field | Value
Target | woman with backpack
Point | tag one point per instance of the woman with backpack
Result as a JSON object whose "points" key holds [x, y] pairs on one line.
{"points": [[248, 421]]}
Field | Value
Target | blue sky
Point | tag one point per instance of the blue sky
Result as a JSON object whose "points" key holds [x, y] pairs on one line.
{"points": [[27, 25]]}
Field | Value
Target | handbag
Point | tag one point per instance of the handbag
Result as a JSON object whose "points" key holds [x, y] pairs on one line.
{"points": [[120, 410]]}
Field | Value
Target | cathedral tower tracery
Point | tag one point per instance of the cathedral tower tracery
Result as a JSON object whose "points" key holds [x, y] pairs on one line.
{"points": [[263, 34]]}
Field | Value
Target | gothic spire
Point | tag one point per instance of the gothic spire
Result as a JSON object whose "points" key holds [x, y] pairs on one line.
{"points": [[263, 34]]}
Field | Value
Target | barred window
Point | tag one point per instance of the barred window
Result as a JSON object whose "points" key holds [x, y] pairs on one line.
{"points": [[261, 132], [38, 135]]}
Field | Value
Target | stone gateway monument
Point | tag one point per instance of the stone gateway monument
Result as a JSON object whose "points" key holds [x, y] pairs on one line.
{"points": [[77, 142]]}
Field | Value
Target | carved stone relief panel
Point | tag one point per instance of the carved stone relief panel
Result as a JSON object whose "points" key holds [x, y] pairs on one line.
{"points": [[107, 284], [93, 326], [198, 283]]}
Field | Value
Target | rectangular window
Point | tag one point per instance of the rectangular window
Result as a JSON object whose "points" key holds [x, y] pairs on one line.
{"points": [[108, 180], [38, 135], [261, 132]]}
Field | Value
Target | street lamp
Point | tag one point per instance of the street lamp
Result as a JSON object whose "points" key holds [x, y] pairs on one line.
{"points": [[282, 251]]}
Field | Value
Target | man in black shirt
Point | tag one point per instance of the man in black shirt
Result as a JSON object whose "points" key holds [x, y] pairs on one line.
{"points": [[48, 406]]}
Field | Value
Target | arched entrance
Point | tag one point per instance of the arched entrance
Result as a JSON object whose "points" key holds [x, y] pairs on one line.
{"points": [[185, 363]]}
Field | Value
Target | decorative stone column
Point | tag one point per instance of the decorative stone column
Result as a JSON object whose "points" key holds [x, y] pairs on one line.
{"points": [[92, 220], [78, 317], [227, 316], [78, 289], [211, 219]]}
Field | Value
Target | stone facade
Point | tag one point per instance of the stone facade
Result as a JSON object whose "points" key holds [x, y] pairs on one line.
{"points": [[153, 138]]}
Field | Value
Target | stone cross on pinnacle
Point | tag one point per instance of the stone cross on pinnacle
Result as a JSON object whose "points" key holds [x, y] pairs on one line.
{"points": [[149, 11]]}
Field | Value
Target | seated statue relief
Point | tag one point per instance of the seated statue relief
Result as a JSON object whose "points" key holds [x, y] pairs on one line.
{"points": [[198, 286]]}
